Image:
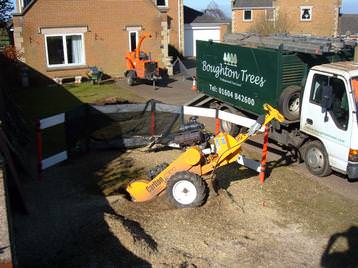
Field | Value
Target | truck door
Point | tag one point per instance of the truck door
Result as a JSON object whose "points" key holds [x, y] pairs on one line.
{"points": [[331, 126]]}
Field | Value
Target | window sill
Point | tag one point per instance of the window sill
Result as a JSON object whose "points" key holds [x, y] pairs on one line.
{"points": [[163, 8], [64, 68]]}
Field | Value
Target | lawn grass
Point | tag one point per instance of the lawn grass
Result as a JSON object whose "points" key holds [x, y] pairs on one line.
{"points": [[44, 101], [89, 93]]}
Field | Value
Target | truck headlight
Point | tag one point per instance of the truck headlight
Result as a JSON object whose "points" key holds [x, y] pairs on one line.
{"points": [[353, 155]]}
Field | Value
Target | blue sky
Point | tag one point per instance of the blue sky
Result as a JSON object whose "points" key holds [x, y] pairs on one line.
{"points": [[349, 6]]}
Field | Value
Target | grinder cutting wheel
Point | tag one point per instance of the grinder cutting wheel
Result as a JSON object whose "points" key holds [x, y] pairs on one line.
{"points": [[182, 179]]}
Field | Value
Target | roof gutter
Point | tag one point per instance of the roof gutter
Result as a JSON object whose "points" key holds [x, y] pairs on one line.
{"points": [[24, 11], [245, 8]]}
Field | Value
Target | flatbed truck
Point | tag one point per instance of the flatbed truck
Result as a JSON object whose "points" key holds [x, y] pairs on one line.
{"points": [[313, 82]]}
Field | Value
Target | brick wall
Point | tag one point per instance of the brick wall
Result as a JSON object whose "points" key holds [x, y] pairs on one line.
{"points": [[324, 21], [107, 40], [241, 26]]}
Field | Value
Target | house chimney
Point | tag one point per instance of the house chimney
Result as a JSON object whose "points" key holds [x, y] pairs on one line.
{"points": [[355, 60]]}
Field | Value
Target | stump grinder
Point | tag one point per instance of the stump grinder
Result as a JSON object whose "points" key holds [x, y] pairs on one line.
{"points": [[182, 179], [140, 66]]}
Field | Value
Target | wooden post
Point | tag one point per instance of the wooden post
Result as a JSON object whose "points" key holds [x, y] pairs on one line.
{"points": [[264, 155], [152, 128], [217, 122]]}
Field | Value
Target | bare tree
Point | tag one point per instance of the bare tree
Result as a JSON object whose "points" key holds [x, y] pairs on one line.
{"points": [[215, 11], [275, 23], [6, 8]]}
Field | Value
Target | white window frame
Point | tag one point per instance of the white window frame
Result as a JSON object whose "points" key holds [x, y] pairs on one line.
{"points": [[243, 15], [129, 38], [165, 5], [301, 12], [273, 15], [66, 64]]}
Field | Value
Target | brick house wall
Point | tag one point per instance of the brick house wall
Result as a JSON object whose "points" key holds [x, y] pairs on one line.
{"points": [[241, 26], [106, 39], [323, 22]]}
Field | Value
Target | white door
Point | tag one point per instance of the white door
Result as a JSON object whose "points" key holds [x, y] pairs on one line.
{"points": [[194, 33], [332, 128]]}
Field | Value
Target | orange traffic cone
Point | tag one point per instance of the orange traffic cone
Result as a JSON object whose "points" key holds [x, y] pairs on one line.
{"points": [[194, 87]]}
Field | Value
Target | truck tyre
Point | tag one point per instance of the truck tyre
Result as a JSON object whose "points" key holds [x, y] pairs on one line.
{"points": [[316, 159], [228, 127], [186, 190], [289, 103], [130, 78]]}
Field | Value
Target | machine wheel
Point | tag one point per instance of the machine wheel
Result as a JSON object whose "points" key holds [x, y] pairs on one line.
{"points": [[289, 103], [316, 159], [130, 78], [186, 190], [228, 127], [157, 170]]}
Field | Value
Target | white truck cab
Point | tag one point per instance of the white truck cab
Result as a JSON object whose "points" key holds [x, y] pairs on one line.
{"points": [[329, 116]]}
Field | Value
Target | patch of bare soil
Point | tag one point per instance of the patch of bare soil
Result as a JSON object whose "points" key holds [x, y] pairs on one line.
{"points": [[289, 222]]}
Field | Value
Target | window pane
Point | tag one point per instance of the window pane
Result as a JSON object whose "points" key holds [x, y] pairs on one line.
{"points": [[247, 14], [133, 37], [55, 50], [270, 14], [340, 107], [161, 2], [74, 49], [306, 13], [319, 81]]}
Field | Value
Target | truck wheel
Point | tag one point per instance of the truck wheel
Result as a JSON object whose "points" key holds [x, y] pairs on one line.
{"points": [[226, 126], [316, 159], [130, 78], [186, 190], [289, 103]]}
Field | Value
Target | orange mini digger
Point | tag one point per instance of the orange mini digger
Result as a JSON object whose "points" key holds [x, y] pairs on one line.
{"points": [[182, 179], [140, 66]]}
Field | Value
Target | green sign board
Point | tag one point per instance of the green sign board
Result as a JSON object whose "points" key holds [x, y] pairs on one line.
{"points": [[243, 77]]}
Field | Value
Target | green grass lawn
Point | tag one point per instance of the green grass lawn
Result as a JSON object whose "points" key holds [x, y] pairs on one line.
{"points": [[41, 102]]}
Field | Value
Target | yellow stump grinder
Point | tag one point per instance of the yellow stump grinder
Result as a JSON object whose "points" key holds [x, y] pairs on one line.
{"points": [[182, 179]]}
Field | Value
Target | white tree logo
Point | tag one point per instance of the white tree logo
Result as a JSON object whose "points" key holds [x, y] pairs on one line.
{"points": [[230, 59]]}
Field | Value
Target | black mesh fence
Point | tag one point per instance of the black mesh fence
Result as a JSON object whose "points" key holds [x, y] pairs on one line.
{"points": [[121, 125]]}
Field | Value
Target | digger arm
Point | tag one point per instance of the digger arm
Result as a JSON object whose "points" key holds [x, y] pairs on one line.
{"points": [[140, 42], [230, 154], [271, 114]]}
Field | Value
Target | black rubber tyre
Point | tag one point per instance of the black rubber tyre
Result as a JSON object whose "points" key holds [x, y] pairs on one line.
{"points": [[316, 159], [157, 170], [228, 127], [130, 78], [289, 103], [186, 190]]}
